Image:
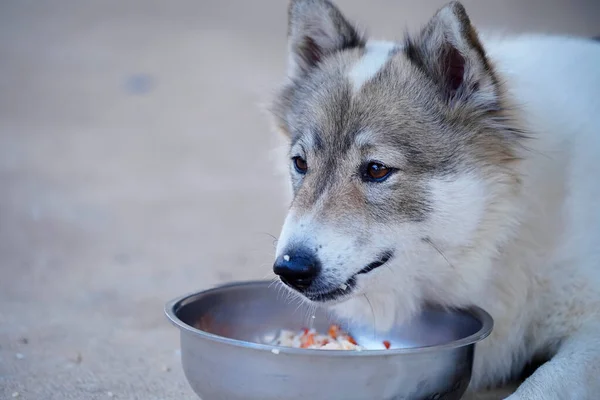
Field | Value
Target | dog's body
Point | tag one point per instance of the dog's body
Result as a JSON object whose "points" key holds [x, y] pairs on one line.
{"points": [[545, 292], [466, 168]]}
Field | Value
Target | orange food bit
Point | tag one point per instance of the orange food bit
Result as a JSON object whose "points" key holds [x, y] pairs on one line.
{"points": [[310, 340], [334, 330], [386, 344], [351, 340]]}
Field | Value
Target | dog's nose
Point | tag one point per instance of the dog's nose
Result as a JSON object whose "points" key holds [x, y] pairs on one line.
{"points": [[297, 268]]}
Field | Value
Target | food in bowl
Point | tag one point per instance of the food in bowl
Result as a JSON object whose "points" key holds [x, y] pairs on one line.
{"points": [[335, 339]]}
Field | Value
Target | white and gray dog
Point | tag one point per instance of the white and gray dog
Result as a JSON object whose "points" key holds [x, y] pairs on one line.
{"points": [[467, 166]]}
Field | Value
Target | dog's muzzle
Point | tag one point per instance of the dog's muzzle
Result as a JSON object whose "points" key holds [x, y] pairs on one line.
{"points": [[299, 271]]}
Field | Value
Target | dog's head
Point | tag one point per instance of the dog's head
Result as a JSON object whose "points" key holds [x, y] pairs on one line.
{"points": [[402, 160]]}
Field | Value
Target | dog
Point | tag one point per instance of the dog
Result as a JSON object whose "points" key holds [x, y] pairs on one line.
{"points": [[450, 169]]}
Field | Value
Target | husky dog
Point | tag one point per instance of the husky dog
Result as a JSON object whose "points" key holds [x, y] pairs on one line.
{"points": [[449, 169]]}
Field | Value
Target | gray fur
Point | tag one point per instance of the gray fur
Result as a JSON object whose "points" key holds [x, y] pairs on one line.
{"points": [[415, 126]]}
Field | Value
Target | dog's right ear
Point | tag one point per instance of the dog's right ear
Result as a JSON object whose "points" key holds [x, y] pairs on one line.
{"points": [[316, 29]]}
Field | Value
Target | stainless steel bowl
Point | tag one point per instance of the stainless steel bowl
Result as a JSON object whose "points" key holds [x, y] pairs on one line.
{"points": [[225, 351]]}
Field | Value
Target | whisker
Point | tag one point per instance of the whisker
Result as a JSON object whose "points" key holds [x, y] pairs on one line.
{"points": [[280, 290], [372, 313], [310, 311], [262, 252], [268, 275], [275, 238], [268, 234], [273, 281], [299, 304], [428, 240]]}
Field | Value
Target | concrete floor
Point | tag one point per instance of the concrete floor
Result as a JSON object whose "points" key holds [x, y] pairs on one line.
{"points": [[134, 167]]}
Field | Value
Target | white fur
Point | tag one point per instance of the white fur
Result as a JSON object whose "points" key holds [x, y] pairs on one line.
{"points": [[451, 197], [536, 264], [547, 284], [377, 54]]}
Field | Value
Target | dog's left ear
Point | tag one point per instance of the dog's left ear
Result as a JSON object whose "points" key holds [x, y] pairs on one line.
{"points": [[449, 52]]}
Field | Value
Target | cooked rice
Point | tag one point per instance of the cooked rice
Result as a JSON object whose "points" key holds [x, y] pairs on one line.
{"points": [[335, 339]]}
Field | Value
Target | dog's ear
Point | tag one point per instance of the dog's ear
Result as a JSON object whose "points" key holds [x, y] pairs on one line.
{"points": [[316, 29], [448, 50]]}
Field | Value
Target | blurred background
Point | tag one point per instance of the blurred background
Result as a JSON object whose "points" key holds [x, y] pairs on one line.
{"points": [[134, 167]]}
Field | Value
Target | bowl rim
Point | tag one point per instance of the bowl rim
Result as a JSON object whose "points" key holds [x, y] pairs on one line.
{"points": [[171, 308]]}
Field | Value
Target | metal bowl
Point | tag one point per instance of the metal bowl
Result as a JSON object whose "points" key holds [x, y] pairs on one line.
{"points": [[226, 355]]}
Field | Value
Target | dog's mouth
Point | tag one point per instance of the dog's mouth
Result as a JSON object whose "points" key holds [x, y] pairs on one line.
{"points": [[347, 287], [385, 257]]}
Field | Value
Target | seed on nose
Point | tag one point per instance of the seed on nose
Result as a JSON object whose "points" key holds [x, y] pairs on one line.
{"points": [[343, 286], [286, 257]]}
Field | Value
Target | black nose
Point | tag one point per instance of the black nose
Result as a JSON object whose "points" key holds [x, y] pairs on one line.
{"points": [[297, 268]]}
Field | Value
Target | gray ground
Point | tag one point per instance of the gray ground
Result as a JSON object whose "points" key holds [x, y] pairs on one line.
{"points": [[134, 167]]}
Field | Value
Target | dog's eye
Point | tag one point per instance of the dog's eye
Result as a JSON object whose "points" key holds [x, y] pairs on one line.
{"points": [[376, 172], [300, 164]]}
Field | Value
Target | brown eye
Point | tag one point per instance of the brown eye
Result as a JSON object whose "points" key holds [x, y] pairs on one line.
{"points": [[377, 172], [300, 164]]}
